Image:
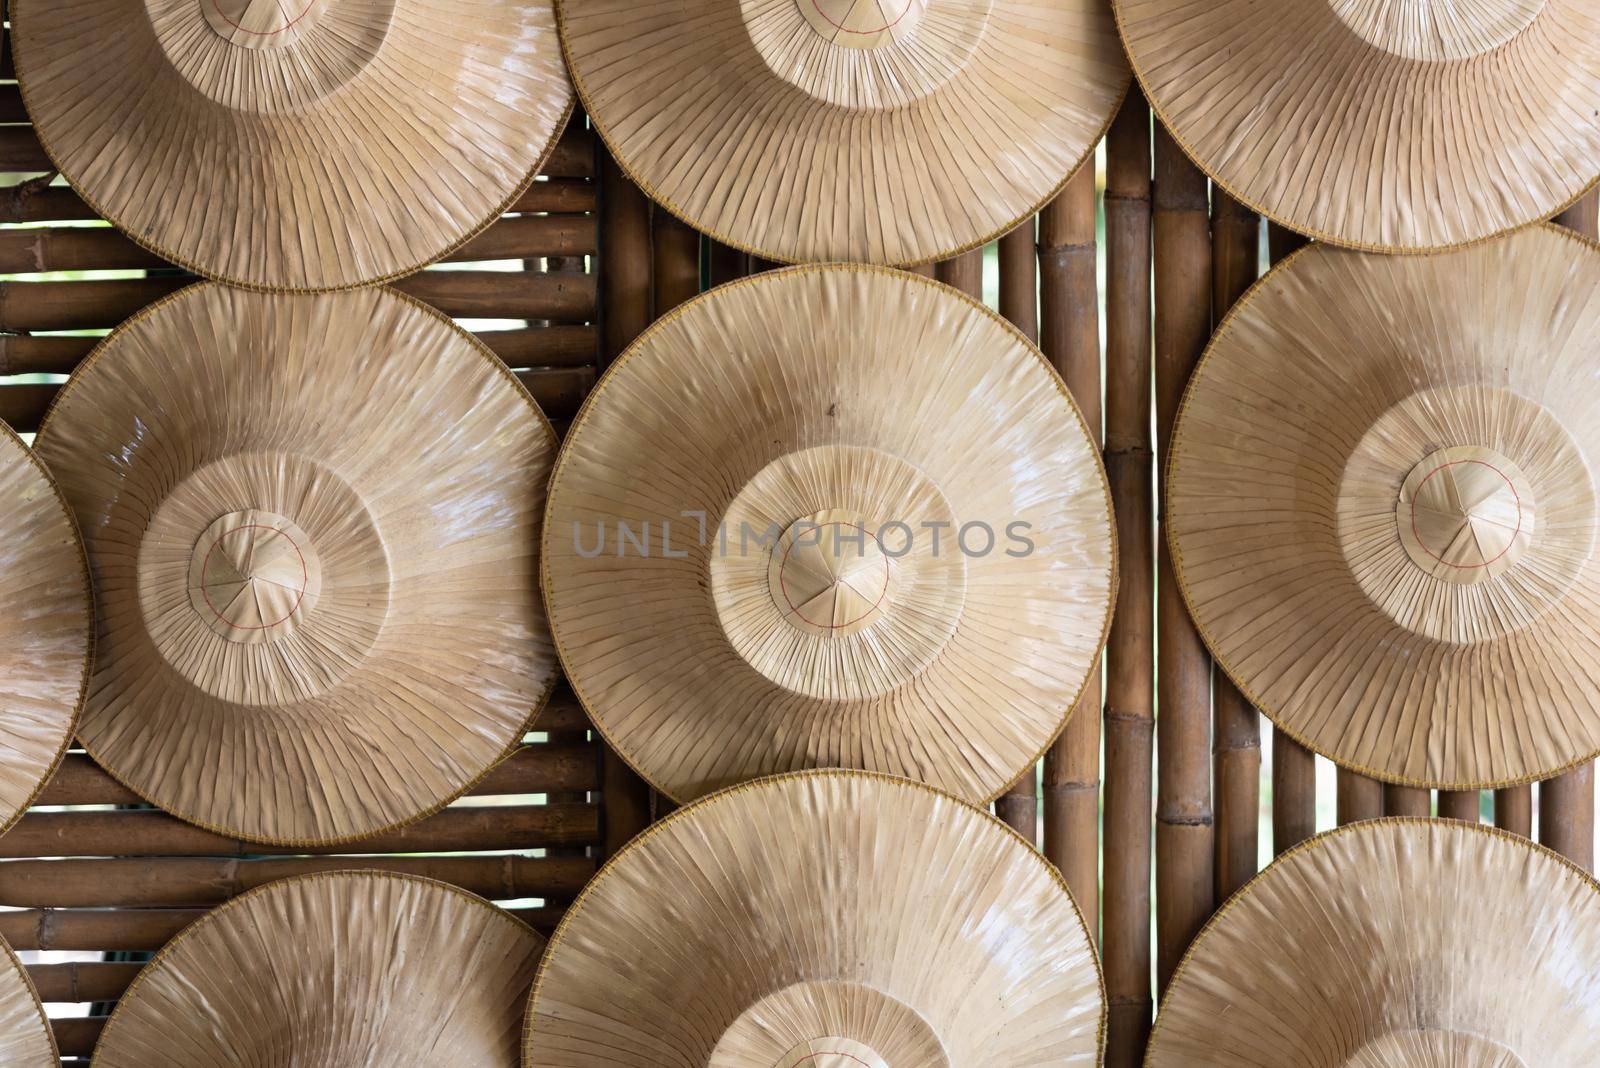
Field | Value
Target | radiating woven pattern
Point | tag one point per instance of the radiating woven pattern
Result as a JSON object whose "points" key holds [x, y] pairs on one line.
{"points": [[825, 918], [25, 1037], [46, 629], [1381, 124], [330, 971], [894, 132], [711, 643], [1395, 944], [359, 140], [1383, 514], [313, 523]]}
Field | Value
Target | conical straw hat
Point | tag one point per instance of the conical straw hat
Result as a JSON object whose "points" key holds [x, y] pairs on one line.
{"points": [[294, 144], [1389, 125], [826, 919], [313, 523], [1394, 943], [46, 626], [876, 131], [332, 970], [26, 1040], [1382, 512], [829, 517]]}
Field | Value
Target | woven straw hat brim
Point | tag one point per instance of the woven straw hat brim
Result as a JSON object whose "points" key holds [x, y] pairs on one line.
{"points": [[847, 398], [1393, 943], [749, 123], [313, 523], [26, 1039], [378, 136], [331, 970], [47, 632], [1340, 384], [1384, 126], [826, 918]]}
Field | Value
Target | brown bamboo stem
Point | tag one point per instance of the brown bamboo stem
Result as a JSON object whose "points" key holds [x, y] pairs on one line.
{"points": [[1294, 778], [27, 307], [82, 980], [1018, 807], [1359, 798], [1129, 721], [533, 769], [1464, 805], [151, 833], [170, 882], [725, 263], [1294, 793], [1566, 815], [626, 294], [572, 157], [1069, 334], [83, 248], [964, 272], [76, 1035], [1513, 810], [1406, 801], [675, 248], [1566, 802], [1019, 278], [1236, 725], [1185, 836], [559, 392]]}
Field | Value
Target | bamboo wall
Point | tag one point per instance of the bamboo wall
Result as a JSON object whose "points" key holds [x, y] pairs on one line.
{"points": [[85, 871], [1124, 795]]}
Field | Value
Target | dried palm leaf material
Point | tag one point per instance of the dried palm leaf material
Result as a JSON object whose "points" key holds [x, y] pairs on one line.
{"points": [[46, 627], [1393, 943], [1387, 125], [26, 1040], [830, 517], [332, 970], [825, 919], [1382, 512], [313, 523], [875, 131], [295, 144]]}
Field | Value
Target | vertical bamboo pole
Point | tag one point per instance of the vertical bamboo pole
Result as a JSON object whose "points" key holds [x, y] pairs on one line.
{"points": [[1513, 810], [1566, 803], [1359, 798], [1464, 805], [724, 263], [1130, 651], [1019, 278], [675, 247], [1019, 303], [1236, 725], [1294, 793], [1294, 769], [1069, 334], [1185, 887], [1406, 801], [965, 272], [624, 281]]}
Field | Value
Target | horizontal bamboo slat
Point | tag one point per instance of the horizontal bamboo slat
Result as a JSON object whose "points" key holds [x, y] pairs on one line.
{"points": [[103, 303], [533, 769], [142, 930], [99, 248], [544, 346], [559, 391], [151, 833], [31, 203], [572, 156], [169, 882]]}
